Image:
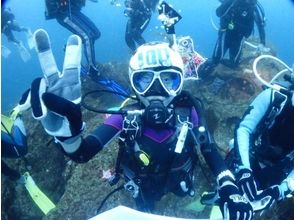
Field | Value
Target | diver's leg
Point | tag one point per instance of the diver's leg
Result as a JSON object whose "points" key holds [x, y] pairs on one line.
{"points": [[8, 33], [129, 35], [141, 26], [91, 34], [13, 145], [9, 172], [236, 49], [77, 26], [220, 47]]}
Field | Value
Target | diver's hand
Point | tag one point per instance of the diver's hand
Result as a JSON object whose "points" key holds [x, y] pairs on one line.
{"points": [[66, 84], [247, 183], [266, 198], [60, 92], [55, 98], [232, 204]]}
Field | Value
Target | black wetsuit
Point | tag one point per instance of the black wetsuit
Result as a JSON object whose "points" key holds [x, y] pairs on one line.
{"points": [[266, 136], [68, 14], [166, 168], [236, 23], [139, 15]]}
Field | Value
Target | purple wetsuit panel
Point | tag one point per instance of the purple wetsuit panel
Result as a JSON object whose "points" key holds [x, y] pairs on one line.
{"points": [[115, 121], [158, 136], [194, 118]]}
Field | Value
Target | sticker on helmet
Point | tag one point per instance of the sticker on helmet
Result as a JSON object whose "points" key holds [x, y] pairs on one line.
{"points": [[154, 57]]}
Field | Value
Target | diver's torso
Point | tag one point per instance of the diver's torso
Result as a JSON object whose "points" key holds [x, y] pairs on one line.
{"points": [[282, 132], [280, 136], [243, 19], [159, 146]]}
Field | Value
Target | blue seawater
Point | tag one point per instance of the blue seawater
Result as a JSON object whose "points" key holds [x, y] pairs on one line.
{"points": [[17, 75]]}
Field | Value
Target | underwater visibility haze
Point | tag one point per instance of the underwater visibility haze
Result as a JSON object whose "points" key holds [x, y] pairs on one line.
{"points": [[76, 190]]}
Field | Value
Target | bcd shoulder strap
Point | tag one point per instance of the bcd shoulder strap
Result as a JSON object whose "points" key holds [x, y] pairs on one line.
{"points": [[277, 104]]}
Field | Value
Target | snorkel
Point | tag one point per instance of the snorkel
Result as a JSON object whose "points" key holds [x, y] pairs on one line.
{"points": [[287, 77]]}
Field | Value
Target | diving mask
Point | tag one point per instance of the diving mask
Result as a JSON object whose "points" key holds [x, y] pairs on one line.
{"points": [[171, 80]]}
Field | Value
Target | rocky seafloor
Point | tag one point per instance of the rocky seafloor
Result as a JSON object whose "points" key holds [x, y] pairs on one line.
{"points": [[78, 189]]}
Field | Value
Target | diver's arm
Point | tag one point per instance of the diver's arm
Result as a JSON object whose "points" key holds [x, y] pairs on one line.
{"points": [[231, 201], [260, 23], [204, 139], [213, 158], [255, 113], [88, 147], [81, 149], [208, 149]]}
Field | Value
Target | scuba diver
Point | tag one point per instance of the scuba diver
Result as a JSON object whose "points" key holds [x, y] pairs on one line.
{"points": [[8, 25], [264, 142], [68, 14], [139, 14], [14, 145], [157, 135], [237, 18]]}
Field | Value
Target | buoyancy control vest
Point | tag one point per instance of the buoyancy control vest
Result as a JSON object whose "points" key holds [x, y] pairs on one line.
{"points": [[160, 160], [276, 130]]}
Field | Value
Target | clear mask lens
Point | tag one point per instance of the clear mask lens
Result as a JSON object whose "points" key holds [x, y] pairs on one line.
{"points": [[171, 81], [142, 80]]}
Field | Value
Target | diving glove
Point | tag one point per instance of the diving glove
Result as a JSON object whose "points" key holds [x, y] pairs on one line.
{"points": [[55, 98], [247, 183], [232, 204]]}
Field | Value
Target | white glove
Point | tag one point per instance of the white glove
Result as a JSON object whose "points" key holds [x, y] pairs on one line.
{"points": [[55, 97]]}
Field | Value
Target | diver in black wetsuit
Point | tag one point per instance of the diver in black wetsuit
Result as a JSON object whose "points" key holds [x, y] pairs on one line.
{"points": [[68, 14], [237, 19], [157, 135], [139, 13], [9, 24]]}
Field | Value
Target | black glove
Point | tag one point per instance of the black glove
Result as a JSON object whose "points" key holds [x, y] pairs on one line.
{"points": [[232, 204], [247, 183]]}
